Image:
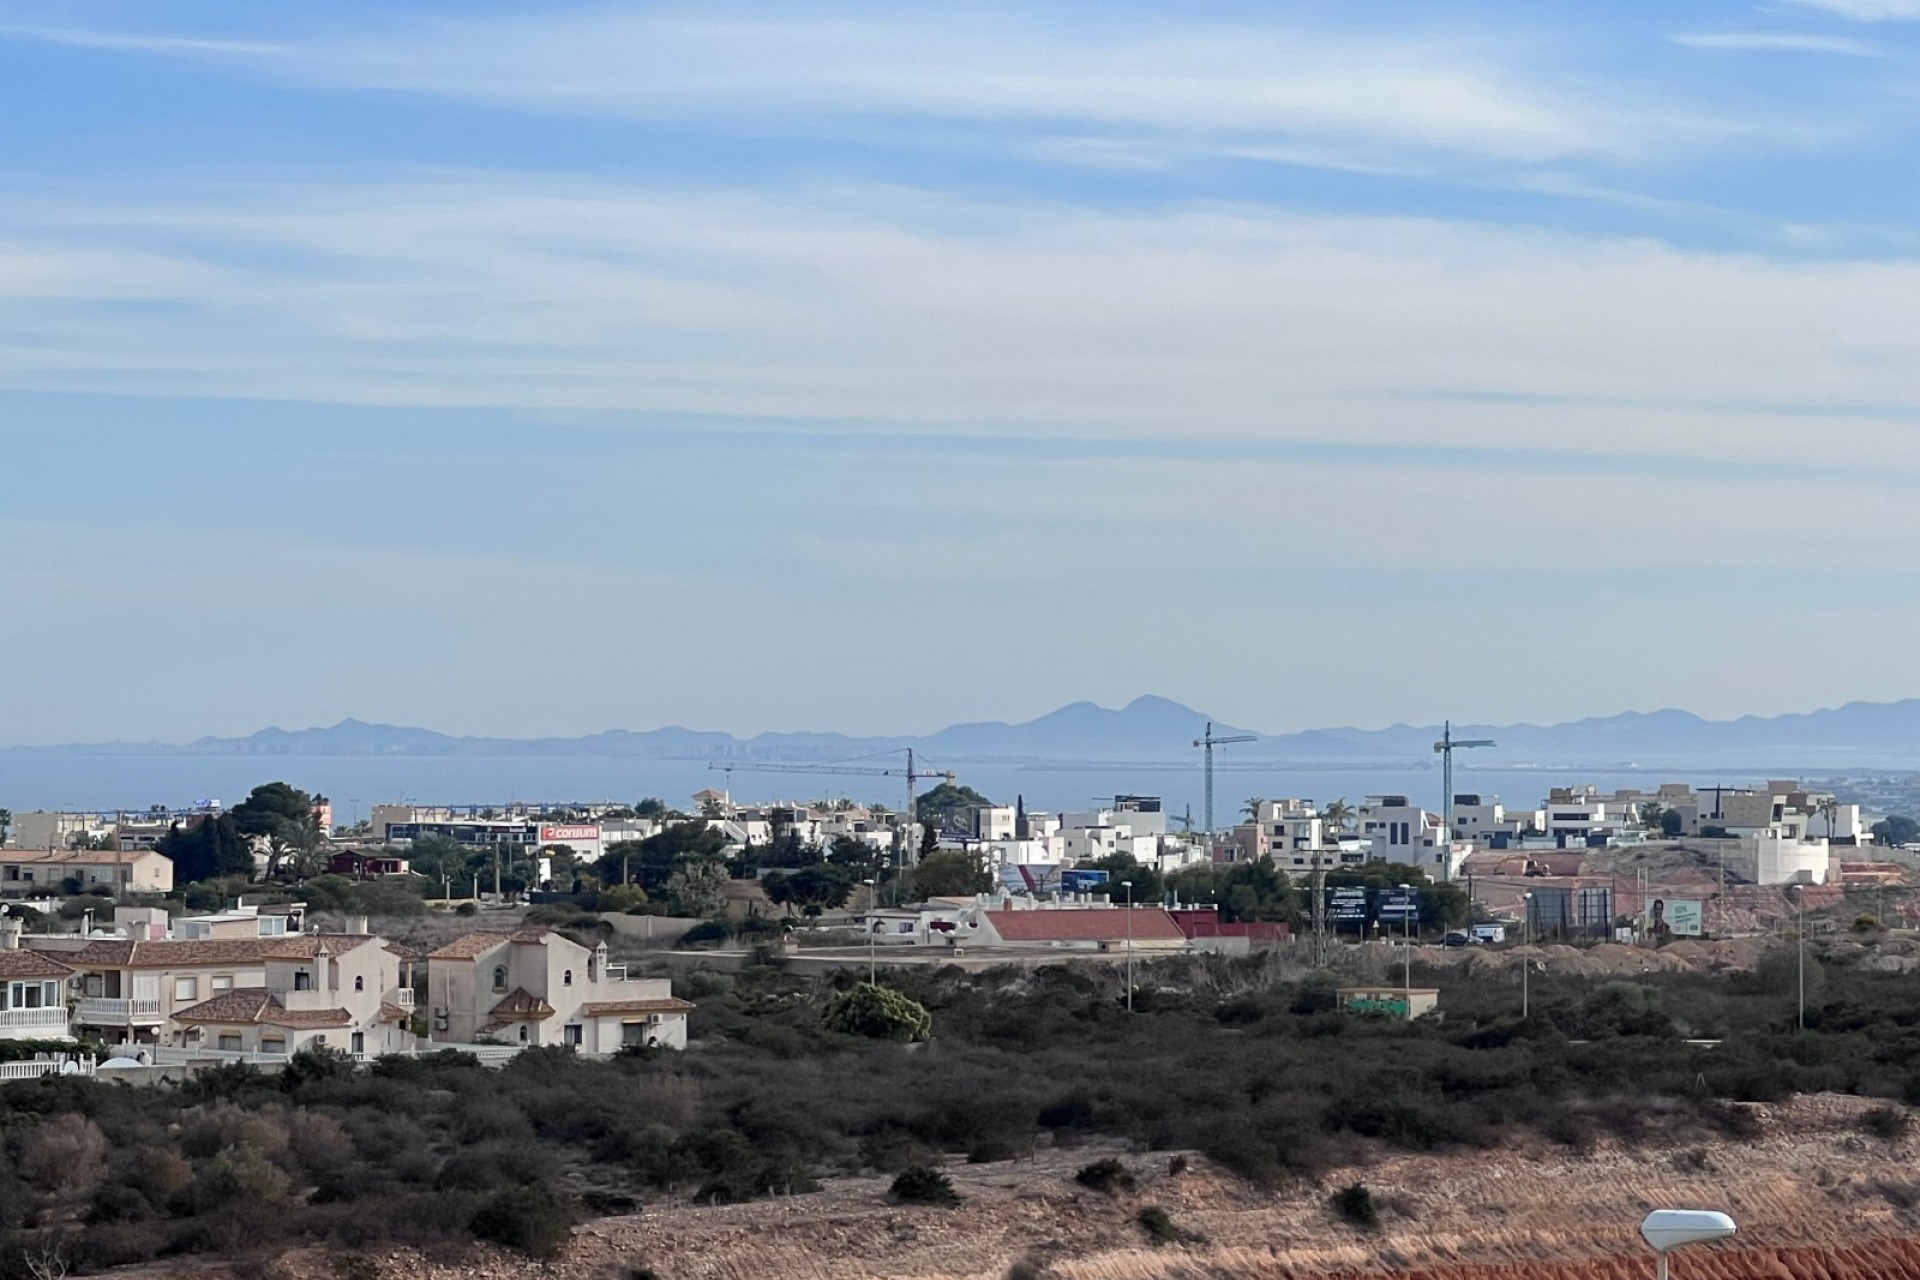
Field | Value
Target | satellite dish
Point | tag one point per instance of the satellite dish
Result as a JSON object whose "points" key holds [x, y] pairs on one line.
{"points": [[1667, 1229]]}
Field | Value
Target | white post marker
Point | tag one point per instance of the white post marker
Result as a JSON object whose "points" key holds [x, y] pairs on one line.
{"points": [[1669, 1229]]}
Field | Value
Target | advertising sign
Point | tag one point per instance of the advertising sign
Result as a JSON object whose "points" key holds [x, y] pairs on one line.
{"points": [[1031, 877], [1680, 917], [564, 833], [1347, 906], [1077, 880], [1399, 907]]}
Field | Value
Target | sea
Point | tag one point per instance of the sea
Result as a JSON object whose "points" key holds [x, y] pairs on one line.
{"points": [[105, 782]]}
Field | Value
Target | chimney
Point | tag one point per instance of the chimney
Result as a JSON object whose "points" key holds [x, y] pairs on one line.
{"points": [[320, 957], [357, 925], [9, 933]]}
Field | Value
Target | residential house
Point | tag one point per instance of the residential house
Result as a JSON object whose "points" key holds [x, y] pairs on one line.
{"points": [[130, 989], [1074, 928], [365, 864], [345, 991], [534, 987], [33, 991], [110, 871]]}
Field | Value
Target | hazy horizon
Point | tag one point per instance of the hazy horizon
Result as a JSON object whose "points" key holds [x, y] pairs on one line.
{"points": [[881, 367]]}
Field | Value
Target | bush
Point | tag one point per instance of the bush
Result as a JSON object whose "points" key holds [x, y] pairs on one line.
{"points": [[1160, 1227], [878, 1013], [1355, 1204], [535, 1219], [709, 933], [919, 1184], [622, 897], [1107, 1175], [1887, 1123], [466, 909]]}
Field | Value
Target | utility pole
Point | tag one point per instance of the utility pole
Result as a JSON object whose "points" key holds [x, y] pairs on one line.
{"points": [[1447, 745], [1209, 741], [1129, 885], [1526, 962]]}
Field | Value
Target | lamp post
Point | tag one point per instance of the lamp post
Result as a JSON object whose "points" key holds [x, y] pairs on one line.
{"points": [[1668, 1229], [1800, 927], [1406, 931], [1526, 965], [1129, 888], [873, 965]]}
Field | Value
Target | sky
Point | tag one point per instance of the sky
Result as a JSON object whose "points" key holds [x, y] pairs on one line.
{"points": [[539, 369]]}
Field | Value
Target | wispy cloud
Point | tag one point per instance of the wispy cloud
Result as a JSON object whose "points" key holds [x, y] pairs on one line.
{"points": [[1867, 10], [128, 42], [1140, 79], [1779, 42]]}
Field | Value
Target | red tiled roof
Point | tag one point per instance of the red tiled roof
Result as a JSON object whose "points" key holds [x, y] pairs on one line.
{"points": [[609, 1008], [522, 1006], [86, 857], [30, 964], [1097, 924], [394, 1013], [178, 952], [469, 946], [257, 1005]]}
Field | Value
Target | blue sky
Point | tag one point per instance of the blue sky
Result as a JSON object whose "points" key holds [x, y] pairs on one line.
{"points": [[539, 369]]}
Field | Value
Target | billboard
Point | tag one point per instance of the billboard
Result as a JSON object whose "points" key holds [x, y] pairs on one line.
{"points": [[1399, 907], [1680, 917], [1080, 880], [1347, 906], [1031, 877], [560, 833]]}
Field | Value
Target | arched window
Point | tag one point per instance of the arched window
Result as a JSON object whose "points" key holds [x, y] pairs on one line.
{"points": [[566, 979], [359, 983], [499, 977], [590, 970]]}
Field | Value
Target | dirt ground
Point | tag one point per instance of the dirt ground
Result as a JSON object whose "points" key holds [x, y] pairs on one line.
{"points": [[1815, 1197]]}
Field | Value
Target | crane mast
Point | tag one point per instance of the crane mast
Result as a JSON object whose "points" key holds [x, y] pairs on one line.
{"points": [[1209, 741]]}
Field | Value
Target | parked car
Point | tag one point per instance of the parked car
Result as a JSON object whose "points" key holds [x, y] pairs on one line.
{"points": [[1457, 939]]}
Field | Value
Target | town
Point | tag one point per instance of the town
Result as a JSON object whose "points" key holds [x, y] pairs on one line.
{"points": [[213, 934]]}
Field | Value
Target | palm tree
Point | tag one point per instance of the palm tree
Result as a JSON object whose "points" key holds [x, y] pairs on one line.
{"points": [[1252, 807], [1338, 815], [1828, 808]]}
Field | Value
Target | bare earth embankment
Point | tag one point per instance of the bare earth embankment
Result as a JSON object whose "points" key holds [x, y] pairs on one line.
{"points": [[1816, 1197]]}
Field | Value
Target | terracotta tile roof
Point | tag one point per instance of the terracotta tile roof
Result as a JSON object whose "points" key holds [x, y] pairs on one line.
{"points": [[30, 964], [394, 1013], [1098, 924], [86, 857], [469, 946], [170, 953], [521, 1006], [605, 1009], [257, 1005]]}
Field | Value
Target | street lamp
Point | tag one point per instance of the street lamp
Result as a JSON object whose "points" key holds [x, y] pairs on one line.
{"points": [[1669, 1229], [1128, 885], [1406, 930], [1800, 927], [1526, 934], [873, 965]]}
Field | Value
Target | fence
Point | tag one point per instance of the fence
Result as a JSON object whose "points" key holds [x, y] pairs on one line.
{"points": [[46, 1066]]}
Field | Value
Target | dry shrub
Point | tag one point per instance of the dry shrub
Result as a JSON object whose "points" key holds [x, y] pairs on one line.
{"points": [[66, 1155]]}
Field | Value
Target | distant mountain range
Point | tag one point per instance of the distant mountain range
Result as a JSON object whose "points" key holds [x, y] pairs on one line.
{"points": [[1156, 730]]}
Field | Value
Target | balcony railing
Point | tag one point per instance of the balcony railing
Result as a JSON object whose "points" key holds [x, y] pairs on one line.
{"points": [[53, 1019], [104, 1012], [404, 997]]}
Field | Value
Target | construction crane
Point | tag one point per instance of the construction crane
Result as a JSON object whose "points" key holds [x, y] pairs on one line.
{"points": [[1447, 745], [912, 773], [1210, 740]]}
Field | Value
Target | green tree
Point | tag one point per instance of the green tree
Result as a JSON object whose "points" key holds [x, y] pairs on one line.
{"points": [[860, 859], [1337, 816], [934, 805], [877, 1013], [6, 824], [697, 887], [651, 862], [1896, 830], [951, 875], [208, 848], [1255, 890], [810, 890], [651, 807], [1198, 884], [1651, 814], [1672, 824], [1122, 869], [1251, 807]]}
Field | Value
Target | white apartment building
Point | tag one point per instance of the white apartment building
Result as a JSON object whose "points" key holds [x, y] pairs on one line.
{"points": [[1400, 831], [1481, 818]]}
